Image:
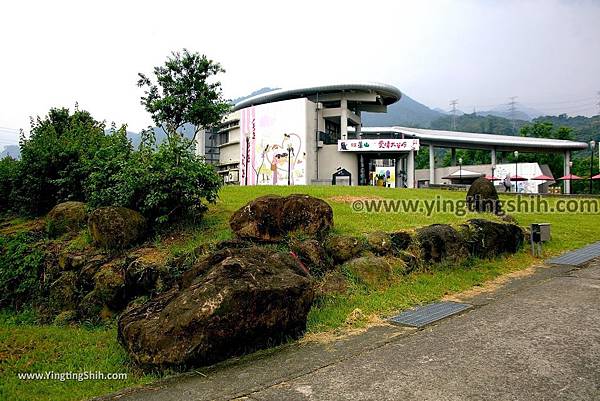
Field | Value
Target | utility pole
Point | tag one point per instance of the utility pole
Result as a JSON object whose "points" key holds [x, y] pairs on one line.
{"points": [[453, 104], [512, 110]]}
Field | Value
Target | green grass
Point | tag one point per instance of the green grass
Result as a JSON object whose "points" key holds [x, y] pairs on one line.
{"points": [[27, 347]]}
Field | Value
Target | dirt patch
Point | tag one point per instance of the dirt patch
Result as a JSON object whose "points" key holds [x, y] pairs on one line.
{"points": [[345, 331], [350, 199]]}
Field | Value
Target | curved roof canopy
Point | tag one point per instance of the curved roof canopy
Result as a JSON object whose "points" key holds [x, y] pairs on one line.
{"points": [[389, 94], [480, 141]]}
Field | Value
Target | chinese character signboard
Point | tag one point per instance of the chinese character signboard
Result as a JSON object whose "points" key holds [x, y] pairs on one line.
{"points": [[378, 145]]}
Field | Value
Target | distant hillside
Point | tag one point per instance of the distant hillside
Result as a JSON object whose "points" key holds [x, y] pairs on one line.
{"points": [[406, 112], [584, 128], [11, 150], [477, 123], [255, 93]]}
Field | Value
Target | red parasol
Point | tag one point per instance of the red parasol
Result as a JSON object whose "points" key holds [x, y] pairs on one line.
{"points": [[493, 178], [596, 177], [570, 177], [516, 178], [543, 178]]}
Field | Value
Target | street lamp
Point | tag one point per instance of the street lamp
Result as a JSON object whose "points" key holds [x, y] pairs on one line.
{"points": [[460, 160], [592, 146], [516, 153]]}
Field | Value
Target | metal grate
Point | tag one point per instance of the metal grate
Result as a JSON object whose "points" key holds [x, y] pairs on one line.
{"points": [[578, 257], [424, 315]]}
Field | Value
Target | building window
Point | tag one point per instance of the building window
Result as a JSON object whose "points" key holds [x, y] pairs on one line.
{"points": [[331, 134], [223, 138]]}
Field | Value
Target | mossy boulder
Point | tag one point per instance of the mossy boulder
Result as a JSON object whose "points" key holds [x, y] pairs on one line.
{"points": [[375, 272], [312, 255], [439, 242], [109, 284], [487, 239], [379, 242], [63, 292], [271, 217], [333, 282], [343, 247], [146, 272], [483, 197], [401, 240], [116, 227], [246, 299], [65, 217]]}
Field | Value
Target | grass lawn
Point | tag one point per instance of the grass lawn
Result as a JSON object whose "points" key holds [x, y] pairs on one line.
{"points": [[27, 347]]}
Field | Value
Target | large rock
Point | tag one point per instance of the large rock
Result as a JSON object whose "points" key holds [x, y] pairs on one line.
{"points": [[116, 227], [487, 239], [245, 299], [63, 292], [440, 241], [271, 217], [312, 255], [401, 240], [146, 272], [375, 271], [343, 247], [483, 197], [379, 242], [66, 216]]}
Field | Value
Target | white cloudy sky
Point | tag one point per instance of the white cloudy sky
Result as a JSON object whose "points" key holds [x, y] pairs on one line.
{"points": [[55, 53]]}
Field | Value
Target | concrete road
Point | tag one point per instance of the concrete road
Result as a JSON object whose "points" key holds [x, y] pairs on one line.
{"points": [[536, 338]]}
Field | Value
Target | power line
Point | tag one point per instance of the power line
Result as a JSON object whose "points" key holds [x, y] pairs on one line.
{"points": [[453, 104], [512, 110]]}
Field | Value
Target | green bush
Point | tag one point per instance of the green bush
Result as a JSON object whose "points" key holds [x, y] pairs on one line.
{"points": [[55, 159], [71, 157], [20, 265], [9, 169], [164, 182]]}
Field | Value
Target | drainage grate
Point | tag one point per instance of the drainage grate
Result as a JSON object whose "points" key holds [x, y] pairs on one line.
{"points": [[578, 257], [424, 315]]}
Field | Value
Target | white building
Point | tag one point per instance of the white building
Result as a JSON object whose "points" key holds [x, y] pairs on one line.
{"points": [[303, 136]]}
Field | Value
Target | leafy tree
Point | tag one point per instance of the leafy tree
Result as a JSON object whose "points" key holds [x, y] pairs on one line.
{"points": [[544, 130], [9, 170], [55, 159], [184, 92]]}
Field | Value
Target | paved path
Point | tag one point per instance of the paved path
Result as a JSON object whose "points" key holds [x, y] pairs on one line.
{"points": [[536, 338]]}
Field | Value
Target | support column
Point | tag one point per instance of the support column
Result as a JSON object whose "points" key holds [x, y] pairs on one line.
{"points": [[344, 118], [362, 171], [493, 158], [397, 170], [200, 143], [358, 128], [410, 167], [453, 159], [431, 164], [567, 170]]}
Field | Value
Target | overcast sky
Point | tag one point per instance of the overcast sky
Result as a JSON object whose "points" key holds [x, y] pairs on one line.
{"points": [[55, 53]]}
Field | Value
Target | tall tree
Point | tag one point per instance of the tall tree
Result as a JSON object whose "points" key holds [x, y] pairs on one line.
{"points": [[185, 91]]}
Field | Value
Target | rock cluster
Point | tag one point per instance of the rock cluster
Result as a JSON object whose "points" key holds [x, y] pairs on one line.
{"points": [[270, 218]]}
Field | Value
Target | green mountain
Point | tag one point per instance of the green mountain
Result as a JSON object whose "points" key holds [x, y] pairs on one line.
{"points": [[406, 112]]}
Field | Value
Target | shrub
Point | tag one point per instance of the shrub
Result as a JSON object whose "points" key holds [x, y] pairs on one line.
{"points": [[20, 265], [55, 159], [164, 182], [9, 168]]}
